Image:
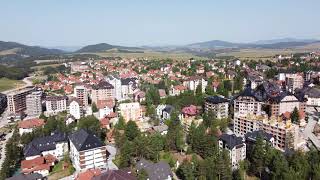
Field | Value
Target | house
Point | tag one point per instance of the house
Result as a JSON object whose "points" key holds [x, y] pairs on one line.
{"points": [[161, 129], [27, 126], [155, 171], [87, 151], [193, 82], [189, 111], [75, 108], [88, 174], [41, 165], [162, 93], [139, 96], [166, 112], [218, 105], [177, 90], [55, 145], [120, 174], [235, 146], [69, 119]]}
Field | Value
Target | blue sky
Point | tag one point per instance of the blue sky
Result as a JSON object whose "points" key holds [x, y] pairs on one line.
{"points": [[155, 22]]}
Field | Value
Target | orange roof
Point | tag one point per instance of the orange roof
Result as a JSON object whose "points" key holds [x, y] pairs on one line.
{"points": [[104, 122], [50, 158], [103, 103], [287, 115], [180, 87], [28, 164], [89, 174], [31, 123]]}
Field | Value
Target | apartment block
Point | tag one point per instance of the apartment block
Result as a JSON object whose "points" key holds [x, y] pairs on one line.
{"points": [[17, 100], [247, 102], [102, 91], [34, 103], [87, 151], [130, 111], [55, 104], [294, 81], [218, 105], [81, 93]]}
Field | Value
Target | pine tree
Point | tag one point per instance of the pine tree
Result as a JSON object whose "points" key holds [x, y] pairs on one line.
{"points": [[295, 116], [132, 131]]}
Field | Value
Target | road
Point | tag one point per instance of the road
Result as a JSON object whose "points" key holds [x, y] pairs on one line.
{"points": [[27, 82], [308, 132], [3, 146]]}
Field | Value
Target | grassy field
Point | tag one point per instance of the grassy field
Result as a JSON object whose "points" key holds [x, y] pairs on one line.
{"points": [[7, 84], [48, 65], [150, 55]]}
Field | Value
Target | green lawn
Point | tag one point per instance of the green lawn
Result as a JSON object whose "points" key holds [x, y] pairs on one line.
{"points": [[7, 84]]}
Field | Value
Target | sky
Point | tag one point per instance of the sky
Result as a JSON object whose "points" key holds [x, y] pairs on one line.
{"points": [[155, 22]]}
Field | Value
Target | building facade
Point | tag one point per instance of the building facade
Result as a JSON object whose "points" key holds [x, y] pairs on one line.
{"points": [[55, 104], [218, 105], [81, 93], [17, 100], [34, 103]]}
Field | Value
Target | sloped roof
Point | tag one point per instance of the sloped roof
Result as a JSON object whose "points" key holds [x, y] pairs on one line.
{"points": [[115, 175], [156, 171], [252, 136], [103, 85], [231, 140], [33, 176], [84, 140], [216, 99], [38, 145]]}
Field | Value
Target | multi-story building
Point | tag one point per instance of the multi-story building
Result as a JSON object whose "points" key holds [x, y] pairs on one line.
{"points": [[312, 97], [294, 81], [235, 146], [102, 91], [17, 100], [218, 105], [56, 145], [87, 151], [130, 111], [81, 93], [193, 82], [284, 102], [55, 104], [115, 81], [3, 103], [75, 108], [286, 134], [247, 102], [34, 103], [128, 85]]}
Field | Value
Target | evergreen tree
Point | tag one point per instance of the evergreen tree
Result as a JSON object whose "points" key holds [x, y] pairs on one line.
{"points": [[142, 175], [126, 154], [121, 125], [295, 116], [132, 131], [94, 107], [186, 171], [257, 157]]}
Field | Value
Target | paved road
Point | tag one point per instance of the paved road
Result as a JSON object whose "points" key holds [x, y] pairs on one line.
{"points": [[308, 132], [3, 146]]}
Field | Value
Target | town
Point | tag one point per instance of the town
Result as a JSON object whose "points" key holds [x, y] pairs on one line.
{"points": [[128, 118]]}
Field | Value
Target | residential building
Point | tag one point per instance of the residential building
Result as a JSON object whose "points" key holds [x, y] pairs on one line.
{"points": [[33, 176], [3, 103], [27, 126], [130, 111], [251, 139], [105, 107], [81, 93], [155, 171], [235, 146], [75, 108], [294, 81], [55, 104], [79, 67], [312, 97], [283, 102], [193, 82], [102, 91], [56, 145], [247, 102], [128, 85], [34, 103], [164, 111], [218, 105], [87, 151], [177, 90], [115, 81], [41, 165], [17, 100]]}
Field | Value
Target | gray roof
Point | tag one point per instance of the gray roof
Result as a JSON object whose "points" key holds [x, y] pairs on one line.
{"points": [[126, 81], [160, 128], [103, 85], [33, 176], [231, 141], [115, 175], [156, 171], [84, 140], [310, 92], [252, 136], [216, 99], [38, 145], [168, 109]]}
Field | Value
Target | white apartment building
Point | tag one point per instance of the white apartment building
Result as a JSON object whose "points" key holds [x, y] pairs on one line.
{"points": [[130, 111], [247, 103], [55, 104], [294, 81], [87, 151], [75, 109], [236, 147], [115, 81], [218, 105]]}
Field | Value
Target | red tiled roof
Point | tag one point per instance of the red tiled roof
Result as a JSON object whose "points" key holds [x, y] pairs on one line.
{"points": [[28, 164], [190, 110], [89, 174], [103, 103], [180, 87], [31, 123]]}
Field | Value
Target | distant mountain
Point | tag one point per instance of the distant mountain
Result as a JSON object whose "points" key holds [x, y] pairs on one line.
{"points": [[267, 44], [13, 48], [214, 44], [103, 47], [284, 40]]}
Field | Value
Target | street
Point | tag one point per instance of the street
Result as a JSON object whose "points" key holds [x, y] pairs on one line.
{"points": [[308, 132]]}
